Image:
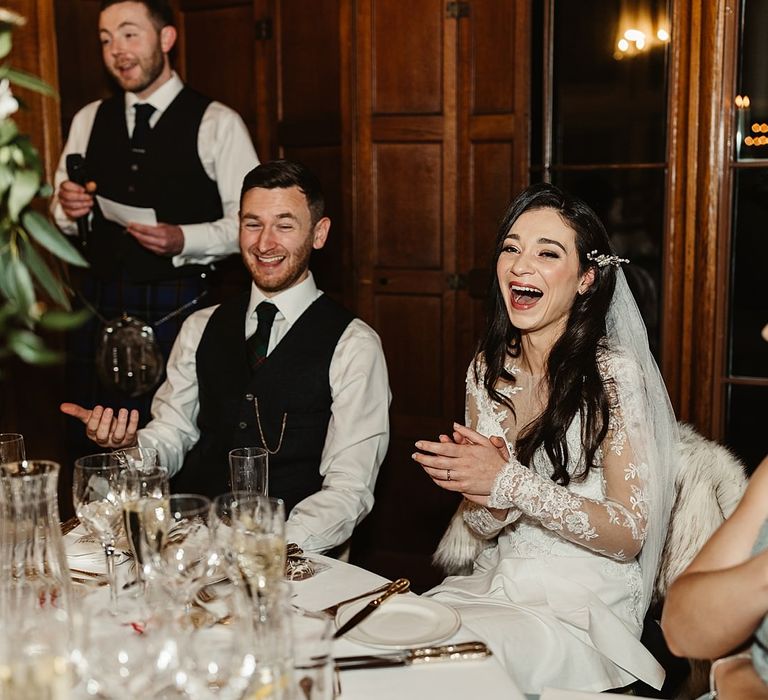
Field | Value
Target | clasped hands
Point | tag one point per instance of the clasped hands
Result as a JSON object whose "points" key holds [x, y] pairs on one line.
{"points": [[104, 427], [161, 239], [466, 462]]}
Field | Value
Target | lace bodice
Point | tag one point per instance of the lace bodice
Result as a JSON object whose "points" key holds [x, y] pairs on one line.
{"points": [[606, 512]]}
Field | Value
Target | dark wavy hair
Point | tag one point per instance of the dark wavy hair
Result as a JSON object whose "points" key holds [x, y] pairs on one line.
{"points": [[574, 381]]}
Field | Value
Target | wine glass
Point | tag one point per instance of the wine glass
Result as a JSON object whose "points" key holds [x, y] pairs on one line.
{"points": [[96, 496], [177, 543], [11, 448], [138, 457], [137, 488], [250, 529]]}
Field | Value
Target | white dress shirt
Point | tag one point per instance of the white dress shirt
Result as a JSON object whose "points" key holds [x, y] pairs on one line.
{"points": [[225, 150], [358, 431]]}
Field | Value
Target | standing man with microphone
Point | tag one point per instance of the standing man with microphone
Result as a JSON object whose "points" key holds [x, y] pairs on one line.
{"points": [[158, 145]]}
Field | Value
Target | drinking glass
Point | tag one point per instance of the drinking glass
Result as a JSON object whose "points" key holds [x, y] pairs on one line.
{"points": [[312, 634], [248, 470], [140, 487], [96, 496], [177, 543], [138, 457], [250, 529], [11, 447]]}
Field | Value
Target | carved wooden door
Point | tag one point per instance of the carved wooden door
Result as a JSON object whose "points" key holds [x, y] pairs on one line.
{"points": [[437, 158]]}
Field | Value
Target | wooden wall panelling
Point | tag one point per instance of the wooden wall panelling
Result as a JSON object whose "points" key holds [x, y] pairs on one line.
{"points": [[214, 52], [406, 227], [308, 119]]}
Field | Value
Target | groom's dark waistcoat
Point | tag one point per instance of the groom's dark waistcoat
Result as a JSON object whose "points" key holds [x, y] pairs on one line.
{"points": [[292, 382]]}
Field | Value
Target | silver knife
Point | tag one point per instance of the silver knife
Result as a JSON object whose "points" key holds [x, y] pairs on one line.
{"points": [[402, 584], [451, 652]]}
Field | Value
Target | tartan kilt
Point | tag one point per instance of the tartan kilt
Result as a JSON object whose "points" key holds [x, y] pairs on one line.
{"points": [[149, 302]]}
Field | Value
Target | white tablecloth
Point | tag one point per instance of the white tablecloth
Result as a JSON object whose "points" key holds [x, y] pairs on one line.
{"points": [[457, 680], [447, 681]]}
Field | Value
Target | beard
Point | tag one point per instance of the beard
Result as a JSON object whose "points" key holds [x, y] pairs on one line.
{"points": [[150, 70], [291, 269]]}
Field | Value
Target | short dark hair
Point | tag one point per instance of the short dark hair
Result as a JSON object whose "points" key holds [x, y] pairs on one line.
{"points": [[283, 174], [160, 11]]}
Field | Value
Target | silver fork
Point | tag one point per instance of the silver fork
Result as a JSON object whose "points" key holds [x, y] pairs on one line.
{"points": [[333, 609]]}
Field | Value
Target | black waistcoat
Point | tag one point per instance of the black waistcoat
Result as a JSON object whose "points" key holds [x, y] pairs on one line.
{"points": [[169, 177], [292, 381]]}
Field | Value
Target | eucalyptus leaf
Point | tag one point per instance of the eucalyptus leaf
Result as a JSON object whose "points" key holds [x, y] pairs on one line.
{"points": [[29, 81], [23, 289], [25, 185], [48, 236], [44, 275], [64, 320], [6, 178], [5, 43], [31, 348], [8, 131]]}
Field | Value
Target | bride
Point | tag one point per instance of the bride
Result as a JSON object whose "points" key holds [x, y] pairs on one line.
{"points": [[566, 463]]}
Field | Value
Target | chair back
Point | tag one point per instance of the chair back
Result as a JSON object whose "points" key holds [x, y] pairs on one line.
{"points": [[709, 486]]}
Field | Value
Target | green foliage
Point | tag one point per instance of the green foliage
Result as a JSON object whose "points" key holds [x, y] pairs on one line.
{"points": [[32, 293]]}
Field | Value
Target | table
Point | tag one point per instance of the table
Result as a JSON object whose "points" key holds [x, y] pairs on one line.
{"points": [[447, 681]]}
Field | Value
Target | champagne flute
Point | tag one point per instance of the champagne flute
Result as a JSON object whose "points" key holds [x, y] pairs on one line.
{"points": [[139, 487], [177, 543], [11, 448], [250, 529], [96, 497]]}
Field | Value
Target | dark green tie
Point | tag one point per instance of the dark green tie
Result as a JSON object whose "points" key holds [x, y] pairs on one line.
{"points": [[258, 343]]}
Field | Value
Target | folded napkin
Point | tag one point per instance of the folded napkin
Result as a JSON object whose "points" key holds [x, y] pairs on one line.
{"points": [[85, 553]]}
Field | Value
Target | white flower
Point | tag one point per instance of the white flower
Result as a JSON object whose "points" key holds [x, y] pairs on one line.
{"points": [[8, 103]]}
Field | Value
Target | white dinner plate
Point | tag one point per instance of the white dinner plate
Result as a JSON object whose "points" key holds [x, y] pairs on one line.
{"points": [[402, 622]]}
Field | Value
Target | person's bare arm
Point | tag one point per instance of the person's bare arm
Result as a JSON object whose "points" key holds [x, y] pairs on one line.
{"points": [[721, 598]]}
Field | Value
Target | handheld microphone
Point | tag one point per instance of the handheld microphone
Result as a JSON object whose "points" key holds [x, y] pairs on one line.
{"points": [[76, 173]]}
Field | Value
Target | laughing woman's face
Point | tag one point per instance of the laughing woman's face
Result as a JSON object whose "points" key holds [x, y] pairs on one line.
{"points": [[538, 272]]}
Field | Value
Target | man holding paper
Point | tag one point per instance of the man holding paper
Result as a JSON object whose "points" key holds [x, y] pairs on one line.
{"points": [[163, 166]]}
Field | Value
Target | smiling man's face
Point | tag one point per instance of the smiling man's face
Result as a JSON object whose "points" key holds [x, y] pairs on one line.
{"points": [[134, 49], [277, 237]]}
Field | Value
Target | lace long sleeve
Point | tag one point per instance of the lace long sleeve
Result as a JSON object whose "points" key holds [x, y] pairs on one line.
{"points": [[615, 525], [478, 518]]}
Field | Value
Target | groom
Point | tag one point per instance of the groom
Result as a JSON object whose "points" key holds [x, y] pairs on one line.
{"points": [[283, 367]]}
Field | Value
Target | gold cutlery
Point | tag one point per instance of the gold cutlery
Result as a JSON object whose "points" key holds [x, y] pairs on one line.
{"points": [[333, 609], [464, 651], [402, 584]]}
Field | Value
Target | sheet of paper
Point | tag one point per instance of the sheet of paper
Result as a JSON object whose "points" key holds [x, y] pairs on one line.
{"points": [[555, 694], [124, 214]]}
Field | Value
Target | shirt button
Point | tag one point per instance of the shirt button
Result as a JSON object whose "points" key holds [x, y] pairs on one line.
{"points": [[249, 397], [131, 188], [243, 426], [134, 167]]}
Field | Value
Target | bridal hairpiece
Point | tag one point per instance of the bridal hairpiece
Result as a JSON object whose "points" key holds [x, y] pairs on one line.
{"points": [[602, 259]]}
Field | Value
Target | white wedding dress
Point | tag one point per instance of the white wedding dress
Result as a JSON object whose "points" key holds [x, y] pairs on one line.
{"points": [[554, 594]]}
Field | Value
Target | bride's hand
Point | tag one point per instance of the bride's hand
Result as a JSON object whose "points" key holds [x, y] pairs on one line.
{"points": [[469, 466]]}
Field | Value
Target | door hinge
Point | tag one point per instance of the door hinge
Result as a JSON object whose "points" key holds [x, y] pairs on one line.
{"points": [[457, 10], [263, 29]]}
